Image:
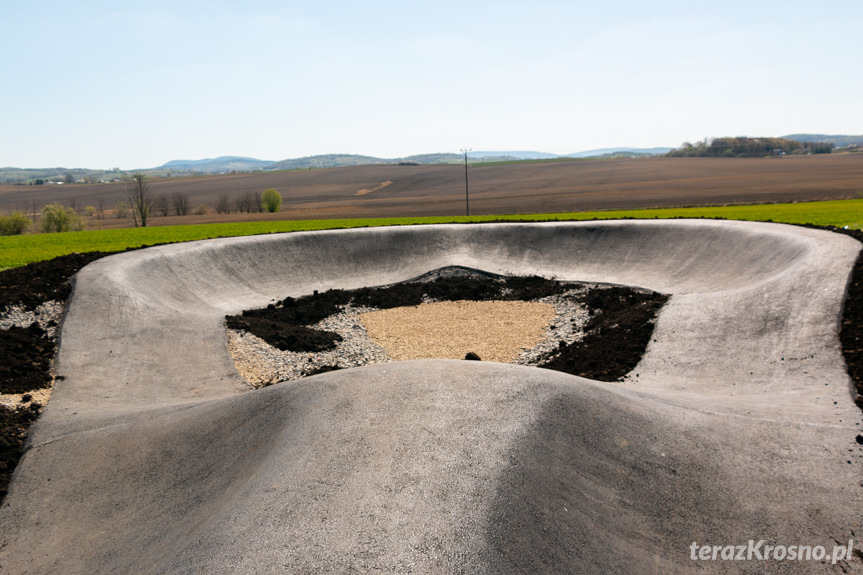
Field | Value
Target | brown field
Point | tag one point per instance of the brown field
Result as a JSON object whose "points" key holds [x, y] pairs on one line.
{"points": [[526, 187]]}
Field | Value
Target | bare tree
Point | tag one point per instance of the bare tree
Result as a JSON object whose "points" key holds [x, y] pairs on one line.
{"points": [[161, 204], [238, 204], [181, 203], [223, 204], [247, 202], [137, 194], [34, 210], [254, 202], [100, 208]]}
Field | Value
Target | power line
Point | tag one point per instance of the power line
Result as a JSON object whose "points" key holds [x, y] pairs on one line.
{"points": [[466, 151]]}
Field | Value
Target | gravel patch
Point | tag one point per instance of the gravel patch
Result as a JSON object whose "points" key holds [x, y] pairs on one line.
{"points": [[567, 325], [47, 315], [262, 364]]}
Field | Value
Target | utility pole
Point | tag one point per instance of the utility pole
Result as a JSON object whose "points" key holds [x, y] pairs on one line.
{"points": [[466, 151]]}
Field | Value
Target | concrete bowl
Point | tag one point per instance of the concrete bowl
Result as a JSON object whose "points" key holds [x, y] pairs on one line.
{"points": [[155, 456]]}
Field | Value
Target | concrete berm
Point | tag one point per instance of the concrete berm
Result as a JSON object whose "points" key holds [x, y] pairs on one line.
{"points": [[155, 456]]}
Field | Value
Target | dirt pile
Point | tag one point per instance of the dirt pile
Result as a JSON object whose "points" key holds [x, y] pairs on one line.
{"points": [[851, 330], [39, 282], [616, 335], [27, 353]]}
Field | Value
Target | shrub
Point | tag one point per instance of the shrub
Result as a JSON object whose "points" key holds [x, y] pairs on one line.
{"points": [[14, 224], [271, 200], [58, 218], [122, 210], [201, 209]]}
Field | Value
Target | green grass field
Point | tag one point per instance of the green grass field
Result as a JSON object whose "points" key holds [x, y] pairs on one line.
{"points": [[21, 250]]}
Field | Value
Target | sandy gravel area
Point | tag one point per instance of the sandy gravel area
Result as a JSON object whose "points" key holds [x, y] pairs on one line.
{"points": [[500, 331], [13, 400], [494, 330]]}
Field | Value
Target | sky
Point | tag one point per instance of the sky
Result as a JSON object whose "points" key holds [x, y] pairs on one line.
{"points": [[134, 84]]}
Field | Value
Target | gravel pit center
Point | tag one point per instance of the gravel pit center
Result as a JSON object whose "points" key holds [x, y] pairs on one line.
{"points": [[741, 423], [452, 313]]}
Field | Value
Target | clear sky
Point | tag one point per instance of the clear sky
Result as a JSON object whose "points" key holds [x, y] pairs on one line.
{"points": [[136, 83]]}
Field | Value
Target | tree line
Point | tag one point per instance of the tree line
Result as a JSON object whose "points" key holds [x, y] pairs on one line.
{"points": [[138, 206], [749, 148]]}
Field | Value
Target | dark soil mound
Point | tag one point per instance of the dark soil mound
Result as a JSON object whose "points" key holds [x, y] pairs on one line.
{"points": [[615, 338], [283, 334], [27, 353], [851, 330], [851, 333], [36, 283], [13, 433]]}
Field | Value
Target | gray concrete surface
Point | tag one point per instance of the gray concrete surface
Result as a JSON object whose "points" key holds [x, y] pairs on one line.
{"points": [[154, 456]]}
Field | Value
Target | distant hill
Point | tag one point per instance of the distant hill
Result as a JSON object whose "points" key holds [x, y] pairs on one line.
{"points": [[226, 164], [607, 152], [326, 161], [220, 164], [340, 160], [838, 141], [440, 158], [241, 164], [603, 152], [513, 155]]}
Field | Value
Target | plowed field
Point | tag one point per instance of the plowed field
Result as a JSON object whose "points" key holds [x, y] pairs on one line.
{"points": [[525, 187]]}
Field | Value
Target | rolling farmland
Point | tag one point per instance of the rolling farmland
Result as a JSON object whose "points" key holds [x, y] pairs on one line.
{"points": [[512, 188]]}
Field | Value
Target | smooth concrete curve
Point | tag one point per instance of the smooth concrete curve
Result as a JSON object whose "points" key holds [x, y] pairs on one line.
{"points": [[154, 456]]}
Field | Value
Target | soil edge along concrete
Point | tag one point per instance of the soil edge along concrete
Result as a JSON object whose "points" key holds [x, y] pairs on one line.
{"points": [[155, 456]]}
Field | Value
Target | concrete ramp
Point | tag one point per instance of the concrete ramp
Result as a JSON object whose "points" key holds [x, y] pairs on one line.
{"points": [[154, 456]]}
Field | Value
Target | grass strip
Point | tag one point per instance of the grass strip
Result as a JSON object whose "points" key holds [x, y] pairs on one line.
{"points": [[20, 250]]}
